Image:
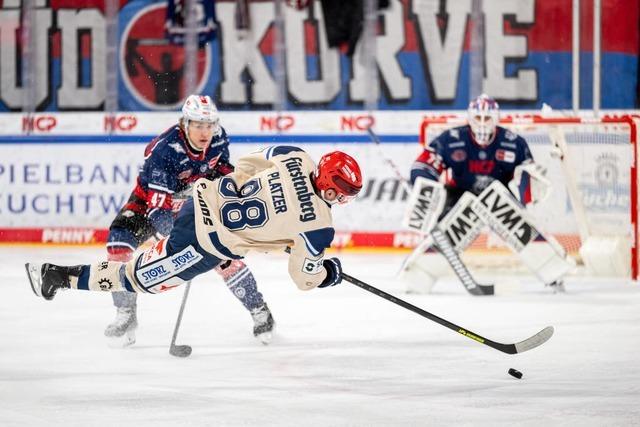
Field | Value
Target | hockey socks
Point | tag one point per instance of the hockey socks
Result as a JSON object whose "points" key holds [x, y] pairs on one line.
{"points": [[241, 282]]}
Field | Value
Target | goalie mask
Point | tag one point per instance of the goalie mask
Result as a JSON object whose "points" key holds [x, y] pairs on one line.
{"points": [[483, 115], [339, 172]]}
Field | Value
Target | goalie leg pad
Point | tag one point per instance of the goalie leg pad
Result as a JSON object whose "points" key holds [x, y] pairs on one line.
{"points": [[543, 255], [421, 275], [456, 231], [453, 234], [545, 262], [425, 205], [462, 224]]}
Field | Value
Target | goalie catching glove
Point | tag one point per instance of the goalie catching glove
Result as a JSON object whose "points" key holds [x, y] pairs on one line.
{"points": [[530, 183]]}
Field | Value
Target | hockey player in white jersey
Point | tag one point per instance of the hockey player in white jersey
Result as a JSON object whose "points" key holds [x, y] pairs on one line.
{"points": [[275, 200]]}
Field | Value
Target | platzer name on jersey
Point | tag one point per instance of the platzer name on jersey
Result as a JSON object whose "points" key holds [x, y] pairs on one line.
{"points": [[277, 194]]}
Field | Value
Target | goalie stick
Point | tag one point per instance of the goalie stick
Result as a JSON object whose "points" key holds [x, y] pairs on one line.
{"points": [[446, 249], [180, 350], [441, 242], [519, 347]]}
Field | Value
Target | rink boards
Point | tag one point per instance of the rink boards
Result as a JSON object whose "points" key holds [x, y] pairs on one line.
{"points": [[63, 176]]}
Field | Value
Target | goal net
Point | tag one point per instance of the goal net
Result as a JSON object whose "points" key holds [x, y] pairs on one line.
{"points": [[593, 207]]}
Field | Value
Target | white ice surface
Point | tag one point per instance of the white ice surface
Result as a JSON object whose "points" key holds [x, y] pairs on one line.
{"points": [[341, 356]]}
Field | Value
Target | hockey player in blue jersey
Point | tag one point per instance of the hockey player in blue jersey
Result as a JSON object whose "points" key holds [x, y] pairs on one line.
{"points": [[472, 156], [196, 147], [483, 174]]}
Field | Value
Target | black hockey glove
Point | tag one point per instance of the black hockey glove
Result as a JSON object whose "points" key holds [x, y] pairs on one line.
{"points": [[334, 272], [221, 168]]}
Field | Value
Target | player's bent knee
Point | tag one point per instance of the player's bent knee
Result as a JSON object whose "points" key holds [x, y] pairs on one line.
{"points": [[119, 253], [231, 269]]}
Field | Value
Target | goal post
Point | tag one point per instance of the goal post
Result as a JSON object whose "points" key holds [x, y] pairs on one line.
{"points": [[593, 208]]}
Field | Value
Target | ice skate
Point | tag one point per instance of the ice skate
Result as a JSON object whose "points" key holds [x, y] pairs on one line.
{"points": [[557, 286], [122, 331], [46, 279], [263, 323]]}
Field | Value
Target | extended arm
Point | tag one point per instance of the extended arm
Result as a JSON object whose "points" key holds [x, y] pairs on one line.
{"points": [[307, 265]]}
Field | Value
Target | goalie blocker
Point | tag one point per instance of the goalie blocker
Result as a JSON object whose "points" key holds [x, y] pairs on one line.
{"points": [[496, 208]]}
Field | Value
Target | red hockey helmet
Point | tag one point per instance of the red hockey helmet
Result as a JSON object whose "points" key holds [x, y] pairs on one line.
{"points": [[340, 172]]}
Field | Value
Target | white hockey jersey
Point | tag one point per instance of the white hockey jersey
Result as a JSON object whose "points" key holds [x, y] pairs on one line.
{"points": [[267, 204]]}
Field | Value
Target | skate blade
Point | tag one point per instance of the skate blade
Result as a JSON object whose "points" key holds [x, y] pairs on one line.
{"points": [[123, 341], [35, 278]]}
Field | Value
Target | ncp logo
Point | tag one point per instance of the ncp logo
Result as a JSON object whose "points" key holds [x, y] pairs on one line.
{"points": [[38, 124], [152, 68], [357, 122], [121, 123], [277, 122]]}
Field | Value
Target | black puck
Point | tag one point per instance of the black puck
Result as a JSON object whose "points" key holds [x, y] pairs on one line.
{"points": [[515, 373]]}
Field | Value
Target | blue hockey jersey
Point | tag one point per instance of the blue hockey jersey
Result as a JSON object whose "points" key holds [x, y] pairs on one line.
{"points": [[467, 165], [170, 168]]}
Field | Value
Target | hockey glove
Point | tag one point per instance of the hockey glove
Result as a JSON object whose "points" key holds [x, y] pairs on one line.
{"points": [[221, 168], [530, 183], [334, 272], [161, 220]]}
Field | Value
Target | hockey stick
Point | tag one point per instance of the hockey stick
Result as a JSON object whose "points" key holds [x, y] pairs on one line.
{"points": [[445, 247], [396, 171], [520, 347], [442, 244], [180, 350]]}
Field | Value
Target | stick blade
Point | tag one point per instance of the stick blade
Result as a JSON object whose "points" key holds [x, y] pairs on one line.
{"points": [[479, 290], [535, 340], [180, 350]]}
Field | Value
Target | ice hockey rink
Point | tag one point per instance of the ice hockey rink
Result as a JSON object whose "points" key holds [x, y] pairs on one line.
{"points": [[340, 356]]}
